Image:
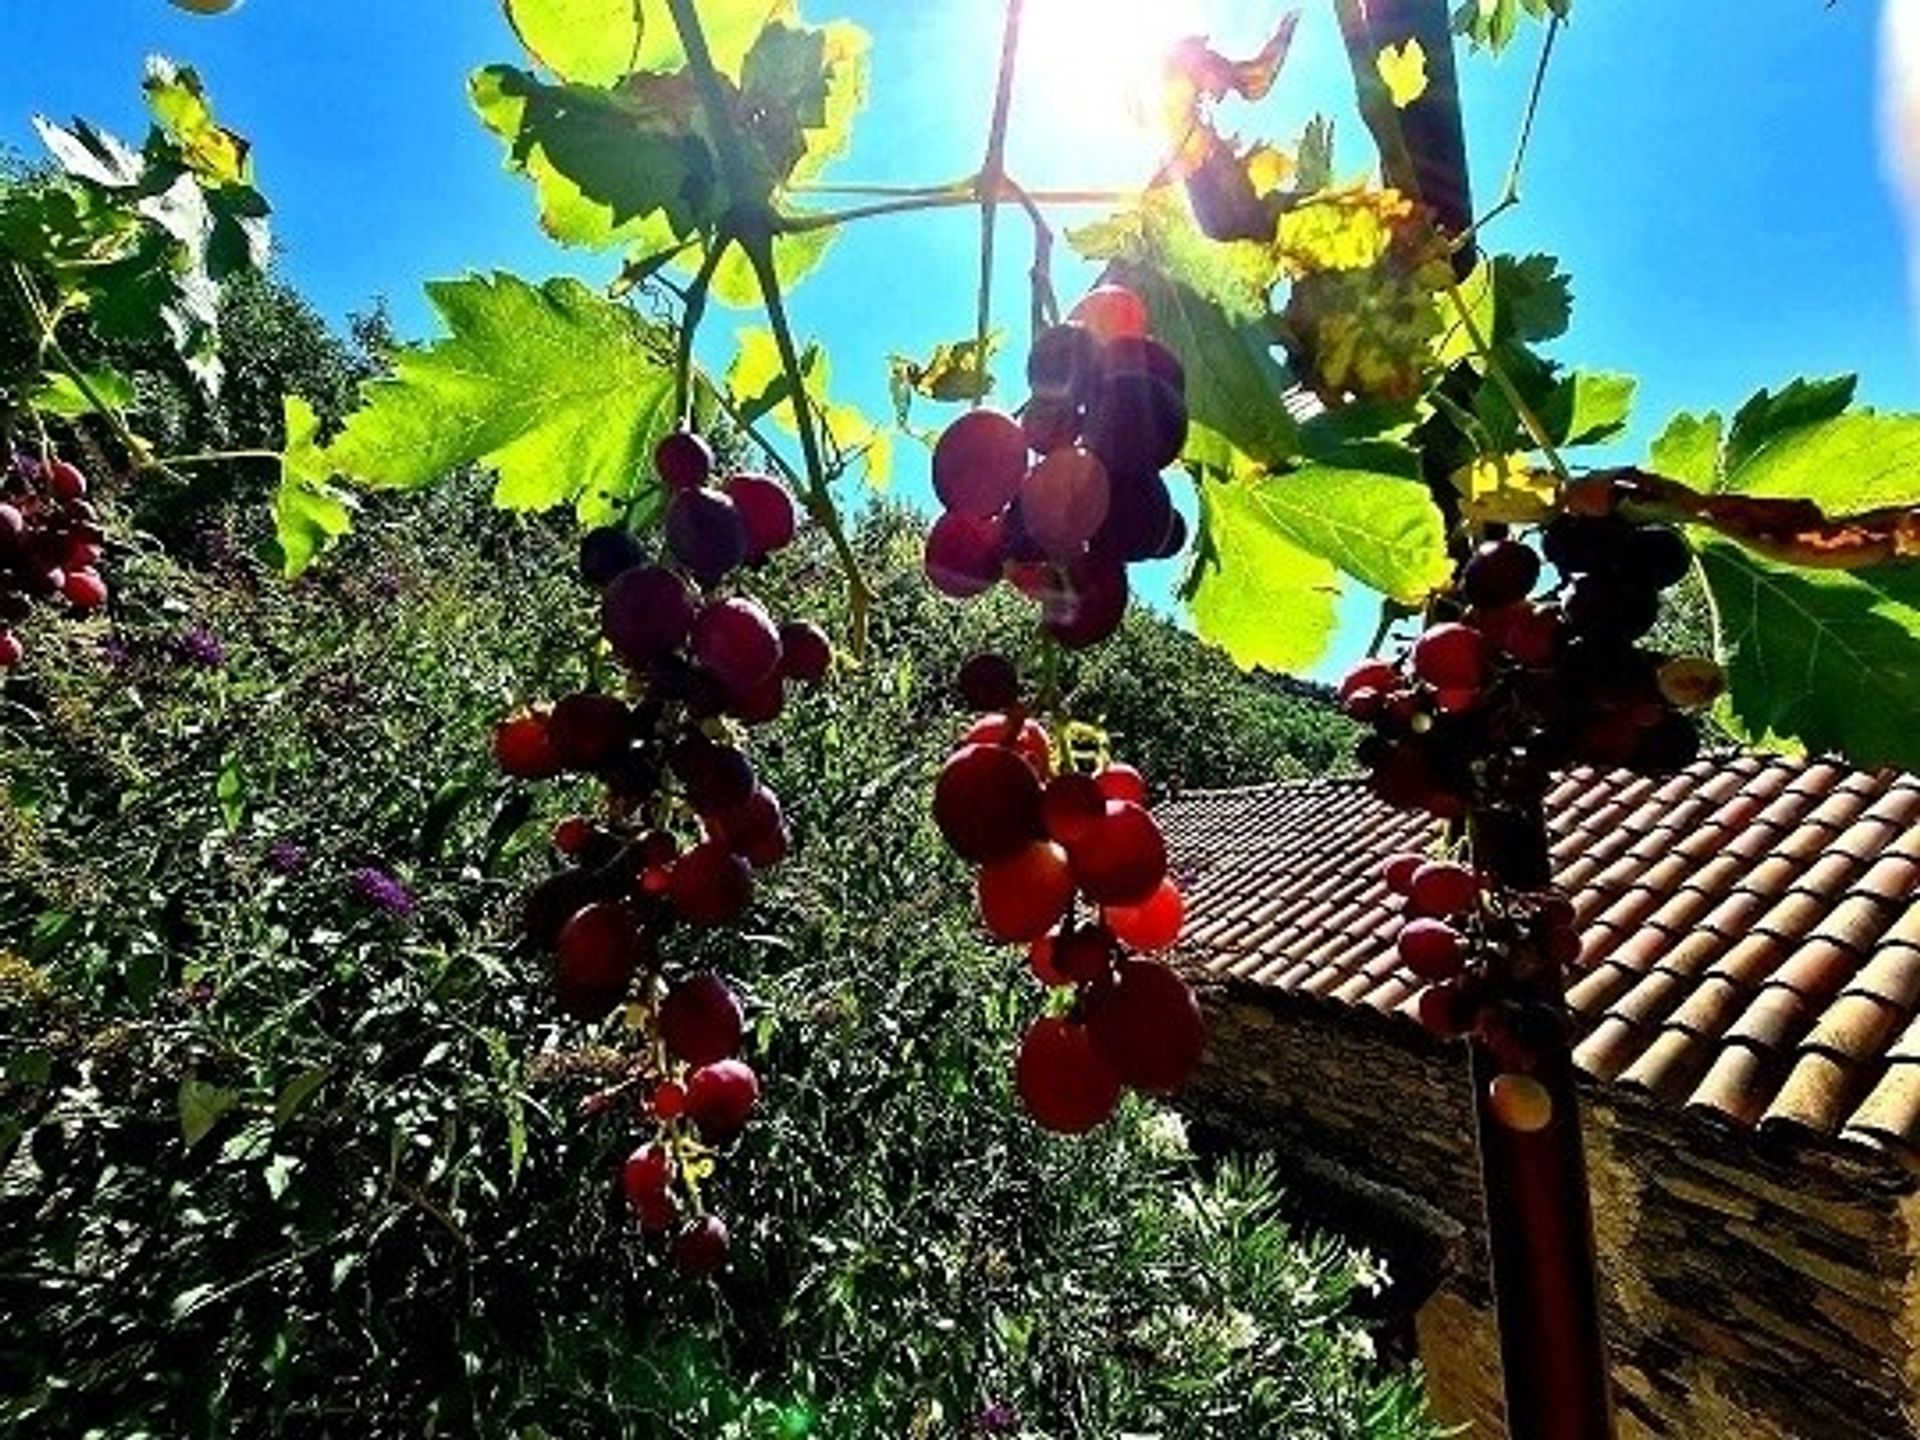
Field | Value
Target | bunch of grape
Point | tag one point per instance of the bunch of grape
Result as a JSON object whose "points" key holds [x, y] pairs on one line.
{"points": [[1059, 500], [1073, 866], [684, 822], [1481, 948], [1489, 703], [50, 545]]}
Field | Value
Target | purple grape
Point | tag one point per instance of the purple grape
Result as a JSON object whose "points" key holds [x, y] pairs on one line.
{"points": [[766, 509], [684, 460], [1176, 540], [761, 703], [989, 682], [1090, 603], [964, 554], [646, 612], [1139, 517], [706, 534], [716, 777], [1064, 364], [589, 731], [978, 462], [1137, 423], [1063, 500], [607, 551], [805, 651], [737, 641]]}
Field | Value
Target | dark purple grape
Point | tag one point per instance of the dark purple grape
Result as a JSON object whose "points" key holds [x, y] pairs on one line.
{"points": [[1063, 500], [759, 704], [767, 510], [737, 641], [805, 651], [1089, 605], [1143, 355], [1050, 425], [1176, 540], [589, 731], [606, 552], [646, 612], [978, 462], [1500, 573], [1137, 423], [684, 460], [1610, 608], [1064, 364], [716, 777], [1139, 517], [706, 534], [990, 682], [964, 554], [1660, 556]]}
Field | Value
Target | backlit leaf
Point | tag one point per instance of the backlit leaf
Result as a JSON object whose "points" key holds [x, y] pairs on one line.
{"points": [[1403, 70], [1252, 591], [1688, 450], [564, 393], [590, 42], [1767, 416], [309, 513]]}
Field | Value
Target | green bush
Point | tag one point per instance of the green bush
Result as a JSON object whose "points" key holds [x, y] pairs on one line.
{"points": [[289, 1138]]}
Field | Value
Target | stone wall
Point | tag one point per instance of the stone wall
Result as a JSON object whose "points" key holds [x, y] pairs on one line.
{"points": [[1749, 1292]]}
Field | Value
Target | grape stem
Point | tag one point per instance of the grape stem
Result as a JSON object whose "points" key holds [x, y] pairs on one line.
{"points": [[1497, 372], [49, 344], [1510, 189], [993, 174], [753, 227], [693, 311]]}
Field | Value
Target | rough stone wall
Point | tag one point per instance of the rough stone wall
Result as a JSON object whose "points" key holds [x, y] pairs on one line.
{"points": [[1747, 1294]]}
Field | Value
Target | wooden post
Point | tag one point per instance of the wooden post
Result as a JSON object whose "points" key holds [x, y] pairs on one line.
{"points": [[1553, 1357]]}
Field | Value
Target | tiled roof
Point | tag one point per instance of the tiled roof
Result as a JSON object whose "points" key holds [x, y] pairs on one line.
{"points": [[1750, 928]]}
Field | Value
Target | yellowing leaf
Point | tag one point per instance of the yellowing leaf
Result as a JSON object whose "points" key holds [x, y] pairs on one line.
{"points": [[1403, 69], [1341, 230], [1501, 488]]}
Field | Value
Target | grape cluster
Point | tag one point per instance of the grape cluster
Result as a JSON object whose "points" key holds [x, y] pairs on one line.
{"points": [[1061, 499], [1047, 842], [1481, 948], [684, 821], [1489, 703], [50, 545]]}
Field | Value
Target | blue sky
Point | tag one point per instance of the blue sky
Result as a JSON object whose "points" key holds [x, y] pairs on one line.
{"points": [[1708, 171]]}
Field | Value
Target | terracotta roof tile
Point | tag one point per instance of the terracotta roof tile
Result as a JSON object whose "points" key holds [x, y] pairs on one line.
{"points": [[1750, 927]]}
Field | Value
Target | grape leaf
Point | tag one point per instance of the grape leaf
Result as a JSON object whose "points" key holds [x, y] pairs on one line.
{"points": [[1800, 644], [1688, 450], [1859, 461], [1382, 529], [1492, 24], [1532, 300], [590, 42], [1767, 416], [60, 394], [1589, 406], [309, 513], [1252, 591], [562, 392], [1158, 234]]}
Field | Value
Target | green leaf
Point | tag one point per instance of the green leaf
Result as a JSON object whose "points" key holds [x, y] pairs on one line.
{"points": [[1252, 591], [230, 789], [1532, 300], [296, 1092], [1861, 461], [1590, 406], [308, 513], [1159, 235], [1767, 416], [564, 393], [1688, 450], [590, 42], [758, 384], [201, 1106], [214, 155], [1826, 657], [1382, 529], [60, 394]]}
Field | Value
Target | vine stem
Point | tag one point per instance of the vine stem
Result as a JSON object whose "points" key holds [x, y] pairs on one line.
{"points": [[1510, 188], [49, 343], [753, 227], [1497, 372], [695, 309], [211, 457], [971, 188], [992, 176]]}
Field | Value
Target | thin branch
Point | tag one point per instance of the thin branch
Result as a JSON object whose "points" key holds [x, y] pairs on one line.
{"points": [[1498, 374], [695, 310], [1510, 190], [992, 174]]}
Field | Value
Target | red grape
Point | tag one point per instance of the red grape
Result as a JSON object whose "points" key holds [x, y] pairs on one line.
{"points": [[69, 482], [1023, 895], [1065, 1085], [1111, 312], [1432, 949], [700, 1019], [522, 747], [701, 1248], [737, 640], [589, 731], [986, 802], [805, 651], [684, 460], [646, 611], [989, 682], [1028, 737], [1071, 806], [84, 589], [710, 885], [978, 462], [720, 1096], [1147, 1026], [1442, 888], [965, 554], [1121, 782], [1122, 858], [706, 534], [1451, 656], [1154, 924], [1398, 872], [608, 552], [1063, 500], [1084, 953], [766, 511]]}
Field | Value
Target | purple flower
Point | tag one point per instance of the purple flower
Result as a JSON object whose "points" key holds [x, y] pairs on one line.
{"points": [[116, 653], [382, 891], [997, 1419], [287, 857], [200, 646]]}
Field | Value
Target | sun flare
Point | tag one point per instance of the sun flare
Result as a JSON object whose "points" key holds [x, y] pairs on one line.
{"points": [[1092, 70]]}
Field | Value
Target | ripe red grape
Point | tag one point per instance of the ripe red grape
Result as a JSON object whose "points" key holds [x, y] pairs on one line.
{"points": [[805, 651], [965, 554], [1122, 858], [1023, 895], [599, 950], [1136, 423], [701, 1248], [646, 612], [68, 481], [684, 460], [1442, 888], [1071, 806], [1147, 1026], [1063, 366], [1451, 656], [12, 652], [1085, 953], [1065, 1085], [986, 802], [978, 462], [700, 1019], [647, 1174], [1063, 499], [1121, 782], [84, 589], [1501, 572], [589, 731], [1432, 949], [737, 640], [710, 885], [706, 534], [1111, 312], [522, 747], [1154, 924], [766, 511], [1089, 606], [607, 552], [1026, 736], [1399, 871], [720, 1096], [989, 682]]}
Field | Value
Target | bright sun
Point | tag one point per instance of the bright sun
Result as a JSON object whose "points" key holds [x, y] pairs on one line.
{"points": [[1091, 71]]}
